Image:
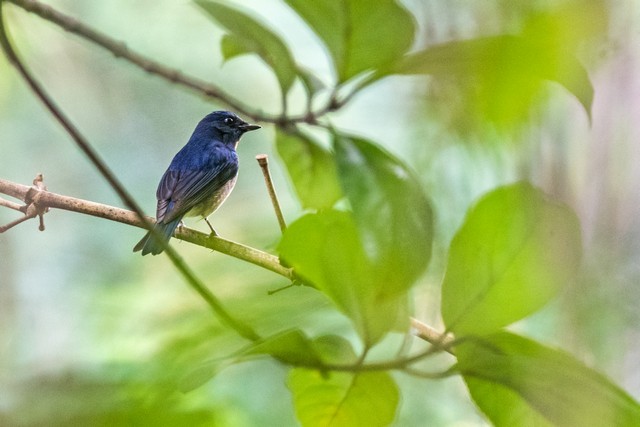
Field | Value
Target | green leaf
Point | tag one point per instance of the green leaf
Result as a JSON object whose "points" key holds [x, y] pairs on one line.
{"points": [[334, 349], [503, 406], [360, 35], [311, 168], [310, 82], [232, 46], [365, 399], [325, 249], [290, 346], [251, 35], [392, 212], [202, 374], [514, 252], [553, 383], [508, 71]]}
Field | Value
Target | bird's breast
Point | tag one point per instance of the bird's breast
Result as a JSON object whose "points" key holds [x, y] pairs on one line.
{"points": [[213, 201]]}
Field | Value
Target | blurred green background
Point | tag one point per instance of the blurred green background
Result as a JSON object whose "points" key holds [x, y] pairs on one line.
{"points": [[91, 333]]}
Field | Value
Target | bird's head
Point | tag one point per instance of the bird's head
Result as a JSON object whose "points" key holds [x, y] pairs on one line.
{"points": [[225, 126]]}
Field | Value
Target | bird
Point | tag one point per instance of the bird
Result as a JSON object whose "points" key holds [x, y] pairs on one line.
{"points": [[199, 178]]}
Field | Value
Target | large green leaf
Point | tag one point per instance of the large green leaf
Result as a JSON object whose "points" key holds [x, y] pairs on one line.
{"points": [[334, 349], [325, 249], [551, 382], [249, 34], [360, 35], [366, 399], [502, 405], [311, 168], [291, 346], [392, 212], [508, 70], [514, 252], [232, 46]]}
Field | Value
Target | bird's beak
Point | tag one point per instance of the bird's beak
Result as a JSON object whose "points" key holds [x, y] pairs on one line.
{"points": [[246, 127]]}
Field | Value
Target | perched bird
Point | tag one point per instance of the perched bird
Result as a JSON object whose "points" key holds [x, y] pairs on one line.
{"points": [[199, 178]]}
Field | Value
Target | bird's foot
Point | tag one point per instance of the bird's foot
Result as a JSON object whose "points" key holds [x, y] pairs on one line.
{"points": [[213, 231]]}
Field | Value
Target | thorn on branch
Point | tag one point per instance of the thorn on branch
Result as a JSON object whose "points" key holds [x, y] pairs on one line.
{"points": [[31, 208]]}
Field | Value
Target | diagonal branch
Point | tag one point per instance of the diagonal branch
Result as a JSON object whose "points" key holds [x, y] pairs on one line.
{"points": [[48, 199], [120, 50], [11, 205]]}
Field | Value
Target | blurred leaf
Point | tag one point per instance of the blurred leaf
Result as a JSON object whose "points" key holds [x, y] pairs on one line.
{"points": [[345, 27], [325, 249], [334, 349], [503, 406], [251, 35], [311, 83], [508, 71], [290, 346], [343, 399], [109, 396], [203, 373], [232, 46], [514, 252], [311, 169], [553, 383], [393, 214]]}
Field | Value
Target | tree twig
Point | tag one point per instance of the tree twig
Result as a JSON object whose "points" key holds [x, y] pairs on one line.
{"points": [[263, 161], [431, 335], [254, 256], [112, 213], [11, 205], [120, 50]]}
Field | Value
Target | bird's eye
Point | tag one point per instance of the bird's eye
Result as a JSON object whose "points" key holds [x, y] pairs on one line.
{"points": [[228, 120]]}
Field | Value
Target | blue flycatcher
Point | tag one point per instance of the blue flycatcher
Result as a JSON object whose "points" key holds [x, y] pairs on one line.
{"points": [[199, 178]]}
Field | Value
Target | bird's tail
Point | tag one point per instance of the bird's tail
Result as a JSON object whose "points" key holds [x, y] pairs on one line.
{"points": [[150, 244]]}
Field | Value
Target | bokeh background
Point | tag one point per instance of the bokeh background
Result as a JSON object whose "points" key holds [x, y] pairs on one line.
{"points": [[92, 333]]}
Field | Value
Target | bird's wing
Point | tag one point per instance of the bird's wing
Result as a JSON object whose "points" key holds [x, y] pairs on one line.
{"points": [[180, 190]]}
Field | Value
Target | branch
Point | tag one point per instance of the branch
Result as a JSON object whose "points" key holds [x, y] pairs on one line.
{"points": [[263, 161], [46, 199], [120, 50], [431, 335], [42, 200]]}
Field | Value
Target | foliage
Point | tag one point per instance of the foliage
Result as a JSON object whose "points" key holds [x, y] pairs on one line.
{"points": [[366, 237]]}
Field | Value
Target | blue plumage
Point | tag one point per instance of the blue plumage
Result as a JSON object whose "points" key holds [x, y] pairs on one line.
{"points": [[199, 178]]}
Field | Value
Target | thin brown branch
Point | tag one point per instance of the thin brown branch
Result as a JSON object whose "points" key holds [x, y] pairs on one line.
{"points": [[112, 213], [263, 161], [431, 335], [11, 205], [120, 50], [46, 199], [29, 215]]}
